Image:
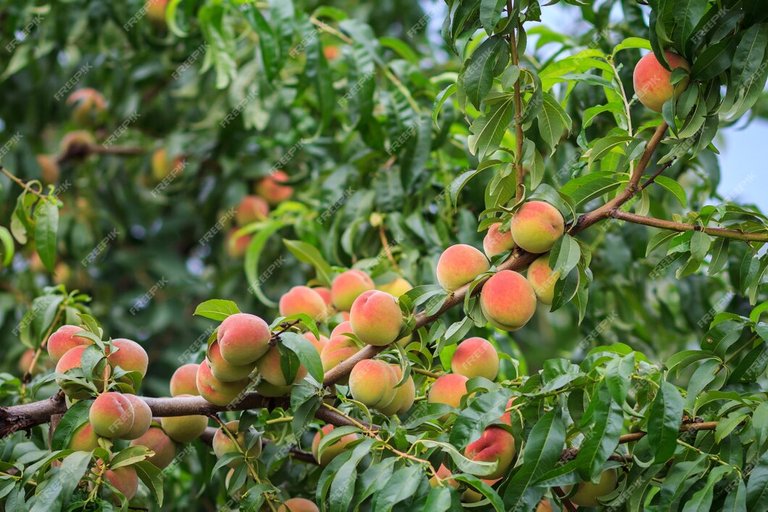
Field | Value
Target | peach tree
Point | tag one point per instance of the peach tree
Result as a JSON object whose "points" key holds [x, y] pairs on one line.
{"points": [[300, 256]]}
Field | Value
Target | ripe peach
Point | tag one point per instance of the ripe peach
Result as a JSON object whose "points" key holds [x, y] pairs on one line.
{"points": [[237, 245], [476, 357], [497, 241], [84, 439], [49, 169], [298, 505], [128, 355], [405, 394], [142, 417], [536, 226], [372, 382], [443, 477], [273, 189], [325, 293], [184, 429], [494, 445], [397, 287], [124, 479], [164, 166], [303, 299], [251, 209], [339, 348], [652, 81], [448, 389], [272, 372], [333, 450], [318, 343], [112, 415], [215, 391], [159, 442], [587, 493], [243, 338], [63, 339], [223, 370], [331, 52], [344, 327], [223, 443], [89, 106], [348, 286], [25, 362], [183, 380], [542, 279], [508, 300], [156, 11], [460, 264], [71, 360], [376, 318]]}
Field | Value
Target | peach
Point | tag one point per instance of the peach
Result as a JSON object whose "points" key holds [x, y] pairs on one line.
{"points": [[156, 11], [89, 106], [251, 209], [497, 241], [339, 348], [124, 479], [298, 505], [343, 328], [243, 338], [587, 493], [506, 417], [443, 477], [494, 445], [128, 355], [372, 382], [318, 343], [183, 380], [331, 52], [508, 300], [84, 439], [271, 370], [112, 415], [184, 429], [460, 264], [49, 169], [159, 442], [71, 360], [25, 362], [653, 82], [142, 417], [542, 279], [223, 370], [333, 450], [397, 287], [405, 394], [475, 357], [63, 339], [348, 286], [536, 226], [214, 390], [237, 245], [303, 299], [448, 389], [224, 444], [273, 189], [376, 318], [325, 293]]}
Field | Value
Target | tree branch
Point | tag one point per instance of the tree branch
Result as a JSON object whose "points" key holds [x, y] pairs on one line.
{"points": [[519, 136], [682, 227]]}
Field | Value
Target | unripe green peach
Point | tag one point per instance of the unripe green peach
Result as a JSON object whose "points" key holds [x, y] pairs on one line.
{"points": [[142, 417], [124, 479], [273, 189], [460, 264], [542, 279], [49, 169], [397, 287], [223, 370], [587, 493], [243, 338], [158, 441], [494, 445], [348, 286], [84, 439], [448, 389], [372, 382], [376, 318], [508, 300], [476, 357], [223, 443], [215, 391], [298, 505], [497, 241], [128, 355], [536, 226], [653, 82], [251, 209], [184, 429], [112, 415], [303, 299], [271, 370], [184, 380], [405, 394], [63, 339], [333, 450]]}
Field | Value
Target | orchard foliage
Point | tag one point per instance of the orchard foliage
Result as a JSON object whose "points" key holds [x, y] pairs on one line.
{"points": [[285, 203]]}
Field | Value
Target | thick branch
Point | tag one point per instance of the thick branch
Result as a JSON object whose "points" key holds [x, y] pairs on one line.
{"points": [[681, 226]]}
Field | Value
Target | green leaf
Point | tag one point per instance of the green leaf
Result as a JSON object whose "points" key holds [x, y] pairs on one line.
{"points": [[55, 492], [727, 425], [308, 253], [564, 255], [152, 478], [46, 231], [6, 246], [757, 485], [674, 187], [483, 488], [488, 129], [129, 456], [590, 186], [702, 499], [605, 145], [664, 417], [75, 416], [490, 14], [481, 68], [305, 351], [216, 309], [255, 278], [632, 43], [553, 122], [464, 464], [401, 486]]}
